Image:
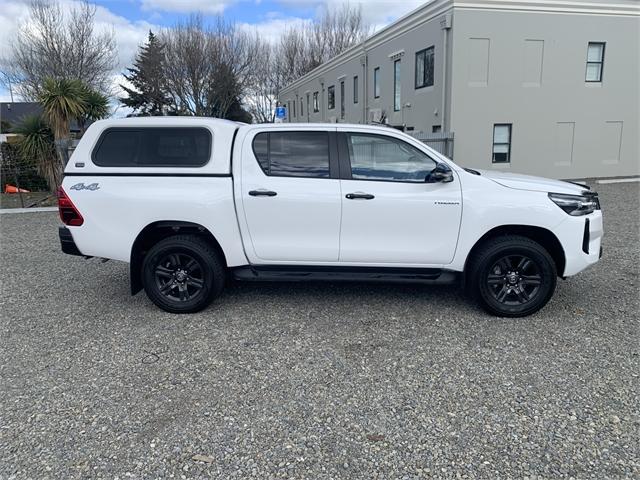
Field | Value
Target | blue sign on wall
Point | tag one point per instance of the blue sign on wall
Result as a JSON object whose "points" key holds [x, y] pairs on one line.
{"points": [[281, 112]]}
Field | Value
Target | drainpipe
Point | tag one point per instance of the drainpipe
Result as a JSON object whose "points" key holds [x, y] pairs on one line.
{"points": [[364, 61], [445, 24]]}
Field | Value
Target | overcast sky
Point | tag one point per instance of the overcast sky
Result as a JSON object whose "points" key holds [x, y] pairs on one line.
{"points": [[132, 19]]}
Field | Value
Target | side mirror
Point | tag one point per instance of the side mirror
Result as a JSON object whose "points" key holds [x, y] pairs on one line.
{"points": [[441, 174]]}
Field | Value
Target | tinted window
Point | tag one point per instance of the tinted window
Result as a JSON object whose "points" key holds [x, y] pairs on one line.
{"points": [[261, 150], [375, 157], [117, 148], [293, 154], [424, 67], [331, 97], [376, 82], [355, 89], [153, 147]]}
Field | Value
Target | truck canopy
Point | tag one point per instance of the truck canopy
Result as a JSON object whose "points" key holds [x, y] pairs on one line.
{"points": [[166, 145]]}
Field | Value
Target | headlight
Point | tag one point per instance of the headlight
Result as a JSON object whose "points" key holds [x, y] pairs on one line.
{"points": [[576, 205]]}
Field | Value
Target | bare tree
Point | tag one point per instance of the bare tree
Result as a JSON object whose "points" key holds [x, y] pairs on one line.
{"points": [[308, 46], [262, 94], [208, 68], [55, 44], [335, 31], [301, 49]]}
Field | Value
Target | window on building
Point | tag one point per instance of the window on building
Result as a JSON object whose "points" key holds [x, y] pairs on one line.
{"points": [[153, 147], [378, 157], [595, 62], [293, 154], [294, 108], [316, 104], [397, 101], [342, 99], [436, 128], [501, 143], [376, 82], [331, 97], [301, 108], [424, 67], [355, 89]]}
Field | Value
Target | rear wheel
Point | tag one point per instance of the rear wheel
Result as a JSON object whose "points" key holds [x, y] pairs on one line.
{"points": [[512, 276], [182, 274]]}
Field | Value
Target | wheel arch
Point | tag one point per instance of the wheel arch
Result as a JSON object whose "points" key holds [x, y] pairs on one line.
{"points": [[156, 231], [546, 238]]}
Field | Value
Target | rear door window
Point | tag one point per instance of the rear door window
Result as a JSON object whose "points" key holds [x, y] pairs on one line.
{"points": [[153, 147], [293, 154]]}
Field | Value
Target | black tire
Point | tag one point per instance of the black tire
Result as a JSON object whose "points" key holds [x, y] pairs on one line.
{"points": [[182, 274], [512, 276]]}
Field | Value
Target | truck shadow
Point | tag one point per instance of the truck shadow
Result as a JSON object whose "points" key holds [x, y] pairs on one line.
{"points": [[347, 295]]}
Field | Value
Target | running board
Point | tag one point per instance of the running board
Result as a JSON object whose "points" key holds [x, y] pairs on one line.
{"points": [[297, 273]]}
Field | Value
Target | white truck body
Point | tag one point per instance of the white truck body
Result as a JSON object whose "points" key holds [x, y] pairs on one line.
{"points": [[312, 222]]}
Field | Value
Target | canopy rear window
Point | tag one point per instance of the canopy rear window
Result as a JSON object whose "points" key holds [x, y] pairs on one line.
{"points": [[153, 147]]}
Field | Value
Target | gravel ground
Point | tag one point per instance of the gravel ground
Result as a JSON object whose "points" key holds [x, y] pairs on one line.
{"points": [[315, 380], [38, 199]]}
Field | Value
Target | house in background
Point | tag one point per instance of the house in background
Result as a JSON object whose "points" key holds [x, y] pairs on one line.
{"points": [[12, 113], [546, 87]]}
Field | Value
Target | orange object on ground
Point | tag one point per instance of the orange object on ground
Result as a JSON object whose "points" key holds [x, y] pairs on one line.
{"points": [[12, 189]]}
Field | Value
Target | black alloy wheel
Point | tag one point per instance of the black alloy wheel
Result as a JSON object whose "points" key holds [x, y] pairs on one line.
{"points": [[183, 273], [511, 276], [179, 277], [514, 280]]}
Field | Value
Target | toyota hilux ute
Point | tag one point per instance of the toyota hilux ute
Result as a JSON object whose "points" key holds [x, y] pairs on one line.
{"points": [[191, 202]]}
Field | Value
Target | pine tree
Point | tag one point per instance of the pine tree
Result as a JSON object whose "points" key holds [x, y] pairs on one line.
{"points": [[147, 97]]}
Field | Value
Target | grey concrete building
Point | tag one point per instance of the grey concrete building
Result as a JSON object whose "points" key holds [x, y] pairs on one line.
{"points": [[547, 87]]}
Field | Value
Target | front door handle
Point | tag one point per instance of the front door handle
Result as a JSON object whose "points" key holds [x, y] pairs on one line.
{"points": [[358, 195], [262, 193]]}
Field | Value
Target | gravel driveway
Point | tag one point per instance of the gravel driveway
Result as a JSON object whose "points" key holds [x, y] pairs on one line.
{"points": [[315, 380]]}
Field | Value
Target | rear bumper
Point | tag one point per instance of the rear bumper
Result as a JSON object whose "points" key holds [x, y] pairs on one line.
{"points": [[67, 243]]}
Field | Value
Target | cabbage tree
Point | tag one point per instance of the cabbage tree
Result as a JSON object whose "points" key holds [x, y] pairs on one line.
{"points": [[36, 145], [63, 100]]}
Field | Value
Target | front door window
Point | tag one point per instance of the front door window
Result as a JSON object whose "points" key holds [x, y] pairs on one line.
{"points": [[376, 157]]}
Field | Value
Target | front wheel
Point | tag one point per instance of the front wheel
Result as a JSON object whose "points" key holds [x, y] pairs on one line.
{"points": [[182, 274], [512, 276]]}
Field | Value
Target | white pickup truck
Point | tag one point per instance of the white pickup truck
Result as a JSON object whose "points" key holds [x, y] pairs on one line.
{"points": [[191, 202]]}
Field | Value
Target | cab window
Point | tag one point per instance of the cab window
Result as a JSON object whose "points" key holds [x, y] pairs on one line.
{"points": [[293, 154], [382, 158]]}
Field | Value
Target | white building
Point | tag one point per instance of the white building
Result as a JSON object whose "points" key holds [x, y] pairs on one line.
{"points": [[547, 87]]}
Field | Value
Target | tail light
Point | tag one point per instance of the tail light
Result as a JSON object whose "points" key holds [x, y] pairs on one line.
{"points": [[69, 214]]}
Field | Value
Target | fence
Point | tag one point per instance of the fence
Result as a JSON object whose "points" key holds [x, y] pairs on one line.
{"points": [[441, 142], [25, 177]]}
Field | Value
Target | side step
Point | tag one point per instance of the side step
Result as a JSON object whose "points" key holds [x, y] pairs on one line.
{"points": [[298, 273]]}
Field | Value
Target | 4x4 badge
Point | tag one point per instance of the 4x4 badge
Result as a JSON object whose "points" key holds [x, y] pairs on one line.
{"points": [[82, 186]]}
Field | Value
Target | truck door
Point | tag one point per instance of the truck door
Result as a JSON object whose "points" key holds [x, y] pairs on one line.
{"points": [[390, 214], [291, 196]]}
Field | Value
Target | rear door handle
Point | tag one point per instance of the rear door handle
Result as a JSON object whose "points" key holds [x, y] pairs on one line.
{"points": [[363, 196], [262, 193]]}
